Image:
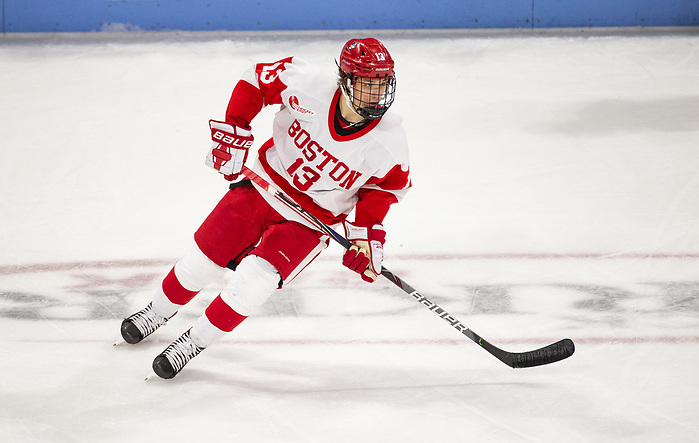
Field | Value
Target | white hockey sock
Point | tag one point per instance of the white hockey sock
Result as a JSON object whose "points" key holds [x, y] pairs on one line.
{"points": [[254, 280], [203, 333], [195, 270], [163, 306]]}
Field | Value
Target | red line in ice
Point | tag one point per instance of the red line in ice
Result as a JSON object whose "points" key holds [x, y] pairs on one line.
{"points": [[70, 266]]}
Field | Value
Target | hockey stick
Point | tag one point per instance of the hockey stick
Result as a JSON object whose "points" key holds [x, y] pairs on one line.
{"points": [[548, 354]]}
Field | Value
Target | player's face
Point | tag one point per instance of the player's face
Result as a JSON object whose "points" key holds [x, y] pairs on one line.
{"points": [[369, 91]]}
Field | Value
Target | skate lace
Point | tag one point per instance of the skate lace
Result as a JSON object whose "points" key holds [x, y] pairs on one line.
{"points": [[147, 321], [181, 351]]}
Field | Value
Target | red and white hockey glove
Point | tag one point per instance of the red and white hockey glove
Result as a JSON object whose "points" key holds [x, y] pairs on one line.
{"points": [[229, 149], [366, 253]]}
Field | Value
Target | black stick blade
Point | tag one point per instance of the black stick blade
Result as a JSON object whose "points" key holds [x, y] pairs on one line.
{"points": [[548, 354]]}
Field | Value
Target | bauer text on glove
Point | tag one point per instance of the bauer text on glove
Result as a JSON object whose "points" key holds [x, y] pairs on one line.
{"points": [[229, 149]]}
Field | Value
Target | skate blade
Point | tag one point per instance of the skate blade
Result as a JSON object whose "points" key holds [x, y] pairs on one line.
{"points": [[152, 377]]}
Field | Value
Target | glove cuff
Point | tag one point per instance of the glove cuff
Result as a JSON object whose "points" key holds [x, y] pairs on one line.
{"points": [[229, 128], [377, 233], [363, 233], [355, 233]]}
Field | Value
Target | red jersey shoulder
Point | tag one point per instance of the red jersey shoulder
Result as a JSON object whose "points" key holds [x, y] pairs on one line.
{"points": [[267, 73], [267, 80], [292, 82]]}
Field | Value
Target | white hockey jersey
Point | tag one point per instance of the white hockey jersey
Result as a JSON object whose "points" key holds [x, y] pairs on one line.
{"points": [[308, 158]]}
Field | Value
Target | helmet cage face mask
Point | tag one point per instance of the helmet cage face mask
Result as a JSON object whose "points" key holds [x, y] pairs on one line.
{"points": [[370, 97], [367, 77]]}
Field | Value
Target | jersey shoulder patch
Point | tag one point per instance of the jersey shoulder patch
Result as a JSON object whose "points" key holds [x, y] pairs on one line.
{"points": [[308, 90]]}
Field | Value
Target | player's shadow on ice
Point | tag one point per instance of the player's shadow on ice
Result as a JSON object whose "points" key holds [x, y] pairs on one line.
{"points": [[269, 375]]}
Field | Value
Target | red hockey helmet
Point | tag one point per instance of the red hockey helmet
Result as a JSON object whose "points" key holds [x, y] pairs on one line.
{"points": [[361, 61], [366, 57]]}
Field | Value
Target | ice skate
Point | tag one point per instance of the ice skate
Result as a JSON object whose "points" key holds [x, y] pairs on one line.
{"points": [[171, 361], [141, 324]]}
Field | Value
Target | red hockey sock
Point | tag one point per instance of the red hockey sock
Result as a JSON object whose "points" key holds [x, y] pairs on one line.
{"points": [[174, 290], [223, 316]]}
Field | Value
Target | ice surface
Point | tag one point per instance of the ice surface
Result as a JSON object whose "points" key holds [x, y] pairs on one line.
{"points": [[556, 194]]}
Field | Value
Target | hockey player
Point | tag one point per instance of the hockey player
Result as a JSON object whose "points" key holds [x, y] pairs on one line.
{"points": [[333, 150]]}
